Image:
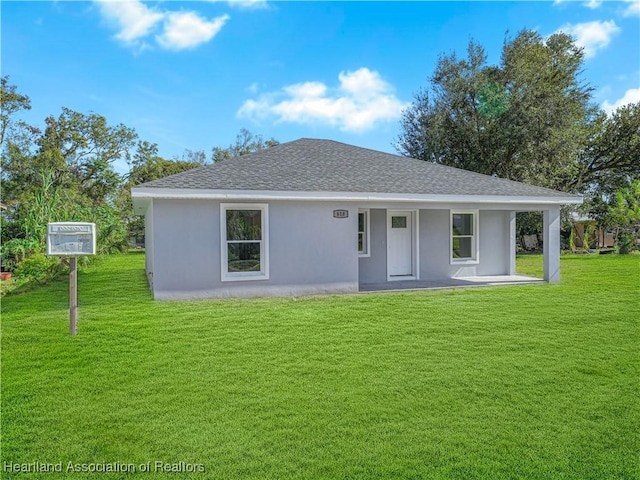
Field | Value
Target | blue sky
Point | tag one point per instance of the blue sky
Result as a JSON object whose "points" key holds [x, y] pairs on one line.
{"points": [[192, 74]]}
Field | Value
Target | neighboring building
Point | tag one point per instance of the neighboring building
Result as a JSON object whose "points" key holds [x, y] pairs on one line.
{"points": [[598, 237], [318, 216]]}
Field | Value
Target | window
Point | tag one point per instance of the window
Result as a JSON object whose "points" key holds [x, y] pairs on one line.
{"points": [[464, 237], [399, 222], [363, 232], [244, 233]]}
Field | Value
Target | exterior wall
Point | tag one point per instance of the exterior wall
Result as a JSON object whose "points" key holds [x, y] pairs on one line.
{"points": [[309, 251], [599, 237], [373, 269], [148, 234], [434, 244], [551, 244], [493, 245]]}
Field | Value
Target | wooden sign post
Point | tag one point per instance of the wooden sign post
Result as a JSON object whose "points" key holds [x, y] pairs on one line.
{"points": [[73, 295], [71, 239]]}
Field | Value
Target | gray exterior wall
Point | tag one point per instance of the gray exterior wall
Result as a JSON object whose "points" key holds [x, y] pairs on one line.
{"points": [[373, 269], [434, 247], [493, 238], [309, 250], [494, 243], [149, 241]]}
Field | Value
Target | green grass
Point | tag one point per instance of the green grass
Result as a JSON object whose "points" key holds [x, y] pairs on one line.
{"points": [[535, 381]]}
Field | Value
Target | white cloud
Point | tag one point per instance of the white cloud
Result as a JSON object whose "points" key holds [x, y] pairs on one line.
{"points": [[254, 4], [253, 88], [593, 4], [592, 36], [630, 96], [187, 30], [633, 9], [180, 30], [358, 103], [134, 19]]}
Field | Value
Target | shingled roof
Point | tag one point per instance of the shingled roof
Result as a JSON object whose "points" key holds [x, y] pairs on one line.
{"points": [[313, 165]]}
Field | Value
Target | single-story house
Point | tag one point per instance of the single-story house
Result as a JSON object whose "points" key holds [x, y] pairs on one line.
{"points": [[318, 216]]}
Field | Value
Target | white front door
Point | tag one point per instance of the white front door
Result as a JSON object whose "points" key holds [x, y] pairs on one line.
{"points": [[400, 244]]}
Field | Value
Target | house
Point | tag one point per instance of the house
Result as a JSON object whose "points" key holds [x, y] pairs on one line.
{"points": [[319, 216], [596, 236]]}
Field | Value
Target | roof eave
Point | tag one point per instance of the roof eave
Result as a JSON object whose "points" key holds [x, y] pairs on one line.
{"points": [[142, 195]]}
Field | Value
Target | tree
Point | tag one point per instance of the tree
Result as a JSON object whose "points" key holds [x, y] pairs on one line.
{"points": [[611, 158], [246, 142], [10, 102], [526, 119], [145, 166], [78, 149], [623, 215], [63, 173]]}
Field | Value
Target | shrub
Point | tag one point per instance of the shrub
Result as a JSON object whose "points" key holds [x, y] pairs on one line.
{"points": [[38, 267], [16, 250], [625, 243]]}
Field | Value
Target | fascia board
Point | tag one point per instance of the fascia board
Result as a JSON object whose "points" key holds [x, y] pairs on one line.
{"points": [[204, 194]]}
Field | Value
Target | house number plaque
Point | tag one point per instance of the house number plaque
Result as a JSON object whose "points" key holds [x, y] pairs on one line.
{"points": [[341, 214]]}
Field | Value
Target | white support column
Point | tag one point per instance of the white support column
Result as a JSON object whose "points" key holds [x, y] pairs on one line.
{"points": [[511, 259], [551, 249]]}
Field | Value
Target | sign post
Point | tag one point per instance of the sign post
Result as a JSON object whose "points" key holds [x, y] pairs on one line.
{"points": [[72, 239], [73, 295]]}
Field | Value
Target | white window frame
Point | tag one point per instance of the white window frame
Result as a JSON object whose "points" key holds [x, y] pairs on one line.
{"points": [[263, 274], [475, 245], [367, 233]]}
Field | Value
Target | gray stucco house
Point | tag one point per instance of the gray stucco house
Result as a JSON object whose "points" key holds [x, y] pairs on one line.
{"points": [[318, 216]]}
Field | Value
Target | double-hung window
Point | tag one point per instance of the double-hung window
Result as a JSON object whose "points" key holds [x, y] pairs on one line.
{"points": [[363, 232], [244, 241], [464, 236]]}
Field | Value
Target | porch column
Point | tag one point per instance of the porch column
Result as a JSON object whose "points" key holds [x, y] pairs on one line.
{"points": [[551, 248], [511, 258]]}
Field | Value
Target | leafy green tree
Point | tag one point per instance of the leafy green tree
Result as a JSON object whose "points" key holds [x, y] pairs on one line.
{"points": [[526, 119], [623, 216], [78, 149], [611, 158], [246, 142], [146, 165], [10, 102], [612, 168], [62, 173]]}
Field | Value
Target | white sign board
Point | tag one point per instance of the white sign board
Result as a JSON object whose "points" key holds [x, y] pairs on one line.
{"points": [[71, 239]]}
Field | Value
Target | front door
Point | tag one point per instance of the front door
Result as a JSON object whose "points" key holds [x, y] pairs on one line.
{"points": [[400, 244]]}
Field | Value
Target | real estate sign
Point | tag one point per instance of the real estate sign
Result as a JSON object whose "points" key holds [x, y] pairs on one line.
{"points": [[71, 239]]}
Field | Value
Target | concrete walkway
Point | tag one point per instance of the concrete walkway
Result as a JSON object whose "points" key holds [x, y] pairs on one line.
{"points": [[491, 280]]}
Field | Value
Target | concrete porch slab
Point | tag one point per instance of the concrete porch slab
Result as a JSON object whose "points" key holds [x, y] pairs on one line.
{"points": [[483, 281]]}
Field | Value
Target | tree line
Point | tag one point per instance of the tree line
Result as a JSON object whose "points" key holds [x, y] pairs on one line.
{"points": [[531, 118]]}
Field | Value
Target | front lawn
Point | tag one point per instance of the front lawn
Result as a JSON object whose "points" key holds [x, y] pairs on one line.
{"points": [[534, 381]]}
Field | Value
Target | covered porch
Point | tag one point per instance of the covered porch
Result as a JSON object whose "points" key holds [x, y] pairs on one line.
{"points": [[428, 246]]}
